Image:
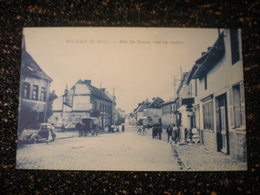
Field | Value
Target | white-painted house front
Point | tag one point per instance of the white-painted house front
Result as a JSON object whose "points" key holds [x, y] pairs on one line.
{"points": [[81, 101], [219, 98]]}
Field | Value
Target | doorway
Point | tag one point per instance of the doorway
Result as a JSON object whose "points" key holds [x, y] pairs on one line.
{"points": [[222, 124]]}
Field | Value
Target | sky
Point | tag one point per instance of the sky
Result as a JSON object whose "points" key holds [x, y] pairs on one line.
{"points": [[138, 63]]}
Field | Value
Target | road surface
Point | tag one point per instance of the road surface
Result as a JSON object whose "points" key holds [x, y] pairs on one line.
{"points": [[122, 151]]}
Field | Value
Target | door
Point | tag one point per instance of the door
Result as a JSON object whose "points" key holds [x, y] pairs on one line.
{"points": [[222, 124]]}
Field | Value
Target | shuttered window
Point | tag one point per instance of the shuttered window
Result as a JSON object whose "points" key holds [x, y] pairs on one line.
{"points": [[208, 118], [238, 105], [234, 45]]}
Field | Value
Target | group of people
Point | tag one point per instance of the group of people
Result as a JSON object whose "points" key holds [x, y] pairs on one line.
{"points": [[157, 131], [85, 129], [173, 133]]}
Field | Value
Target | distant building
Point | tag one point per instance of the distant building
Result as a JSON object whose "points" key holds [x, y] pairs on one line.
{"points": [[34, 92], [81, 101], [184, 104], [169, 110], [153, 111], [219, 98], [139, 114], [119, 116]]}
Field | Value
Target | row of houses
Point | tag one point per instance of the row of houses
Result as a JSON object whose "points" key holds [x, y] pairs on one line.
{"points": [[210, 98], [38, 104]]}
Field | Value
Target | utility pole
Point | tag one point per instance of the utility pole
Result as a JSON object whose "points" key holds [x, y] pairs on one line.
{"points": [[174, 87], [181, 72]]}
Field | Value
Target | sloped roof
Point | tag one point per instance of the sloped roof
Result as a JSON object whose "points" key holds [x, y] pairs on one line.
{"points": [[191, 73], [95, 91], [141, 107], [29, 67], [184, 77], [169, 102], [156, 103], [210, 58]]}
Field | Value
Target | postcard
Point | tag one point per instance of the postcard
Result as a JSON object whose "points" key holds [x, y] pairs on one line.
{"points": [[131, 99]]}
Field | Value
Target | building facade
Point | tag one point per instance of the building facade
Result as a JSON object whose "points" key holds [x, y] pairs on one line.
{"points": [[34, 92], [153, 111], [81, 101], [169, 113], [219, 98]]}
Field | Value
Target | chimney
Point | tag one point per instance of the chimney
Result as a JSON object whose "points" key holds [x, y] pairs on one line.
{"points": [[88, 82]]}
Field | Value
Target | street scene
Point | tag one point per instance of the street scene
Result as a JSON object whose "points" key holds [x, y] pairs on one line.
{"points": [[115, 151], [136, 108]]}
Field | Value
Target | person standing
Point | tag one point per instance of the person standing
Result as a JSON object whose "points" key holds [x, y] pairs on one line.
{"points": [[175, 133], [169, 131], [123, 128], [159, 127], [154, 131]]}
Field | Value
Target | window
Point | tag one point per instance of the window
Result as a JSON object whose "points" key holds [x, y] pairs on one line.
{"points": [[26, 90], [208, 119], [234, 45], [95, 105], [43, 94], [237, 106], [35, 92], [205, 82]]}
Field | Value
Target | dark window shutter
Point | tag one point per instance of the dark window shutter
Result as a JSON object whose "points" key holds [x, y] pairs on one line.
{"points": [[235, 55], [242, 101], [231, 108]]}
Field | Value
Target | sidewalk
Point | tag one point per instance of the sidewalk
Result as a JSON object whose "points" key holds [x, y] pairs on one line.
{"points": [[196, 157]]}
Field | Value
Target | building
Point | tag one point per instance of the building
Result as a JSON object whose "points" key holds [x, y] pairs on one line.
{"points": [[34, 92], [153, 111], [81, 101], [169, 113], [219, 98], [139, 114], [184, 104], [114, 110]]}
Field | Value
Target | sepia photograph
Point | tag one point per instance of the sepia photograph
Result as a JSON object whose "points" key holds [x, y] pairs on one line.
{"points": [[131, 99]]}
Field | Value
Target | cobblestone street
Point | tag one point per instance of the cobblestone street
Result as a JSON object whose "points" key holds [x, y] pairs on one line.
{"points": [[115, 151]]}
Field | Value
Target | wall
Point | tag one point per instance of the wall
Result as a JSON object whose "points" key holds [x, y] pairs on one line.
{"points": [[32, 112], [81, 103], [221, 80], [238, 147]]}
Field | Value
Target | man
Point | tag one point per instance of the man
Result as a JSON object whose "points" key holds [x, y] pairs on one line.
{"points": [[154, 131], [175, 133], [169, 131], [159, 131]]}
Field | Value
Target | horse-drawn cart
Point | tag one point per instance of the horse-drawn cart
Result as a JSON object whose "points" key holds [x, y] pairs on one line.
{"points": [[88, 126]]}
